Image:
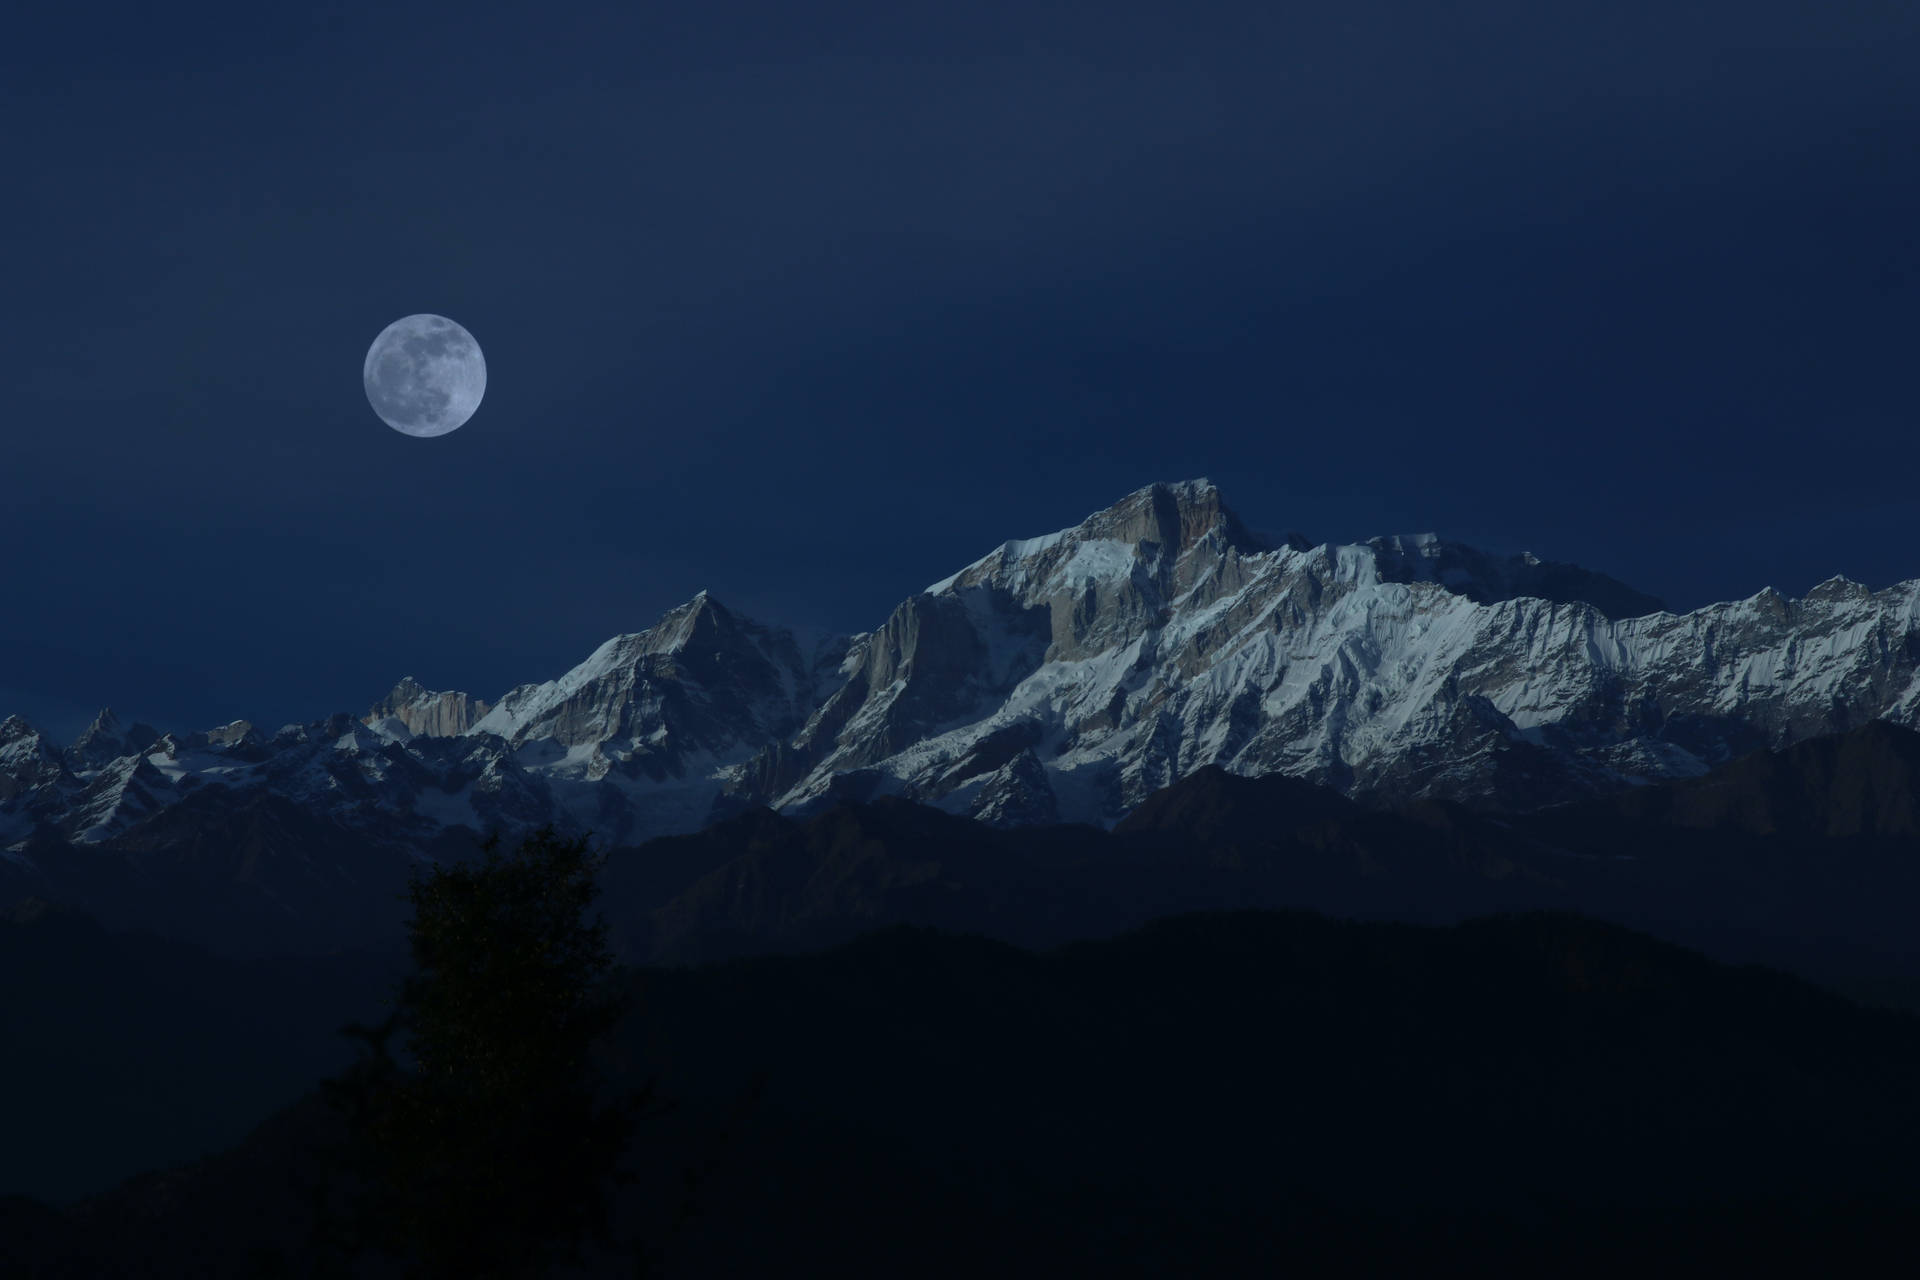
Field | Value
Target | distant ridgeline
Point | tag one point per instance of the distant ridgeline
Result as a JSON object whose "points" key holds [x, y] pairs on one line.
{"points": [[1066, 679]]}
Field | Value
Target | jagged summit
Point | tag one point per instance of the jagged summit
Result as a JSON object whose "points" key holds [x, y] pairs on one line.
{"points": [[107, 739], [1838, 587], [105, 724], [651, 720], [1175, 517], [1161, 522], [404, 692], [27, 762], [700, 621], [411, 709]]}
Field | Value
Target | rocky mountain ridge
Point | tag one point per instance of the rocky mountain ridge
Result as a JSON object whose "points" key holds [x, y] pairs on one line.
{"points": [[1058, 678]]}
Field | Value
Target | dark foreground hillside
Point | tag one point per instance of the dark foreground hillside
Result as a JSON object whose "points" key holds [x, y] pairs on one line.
{"points": [[119, 1051], [138, 1051], [1213, 1094]]}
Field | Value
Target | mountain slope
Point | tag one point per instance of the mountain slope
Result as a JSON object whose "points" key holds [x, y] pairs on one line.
{"points": [[137, 1053]]}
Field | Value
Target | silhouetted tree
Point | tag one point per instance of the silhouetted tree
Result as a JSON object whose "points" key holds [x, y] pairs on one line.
{"points": [[495, 1151]]}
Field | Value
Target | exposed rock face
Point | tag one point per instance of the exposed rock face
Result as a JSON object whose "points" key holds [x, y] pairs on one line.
{"points": [[234, 734], [423, 713]]}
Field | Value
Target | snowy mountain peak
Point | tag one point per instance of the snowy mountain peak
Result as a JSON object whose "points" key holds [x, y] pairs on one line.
{"points": [[658, 716], [27, 760], [405, 691], [106, 739], [1177, 517], [700, 621], [1838, 587], [106, 724], [1153, 528]]}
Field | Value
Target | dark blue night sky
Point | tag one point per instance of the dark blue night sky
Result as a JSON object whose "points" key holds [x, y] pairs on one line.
{"points": [[812, 303]]}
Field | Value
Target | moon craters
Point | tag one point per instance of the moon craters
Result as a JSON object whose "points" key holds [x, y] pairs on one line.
{"points": [[424, 375]]}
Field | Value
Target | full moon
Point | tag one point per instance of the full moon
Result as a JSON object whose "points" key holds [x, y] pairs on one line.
{"points": [[424, 375]]}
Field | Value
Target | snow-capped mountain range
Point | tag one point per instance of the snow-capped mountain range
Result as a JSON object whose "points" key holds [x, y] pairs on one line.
{"points": [[1058, 678]]}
